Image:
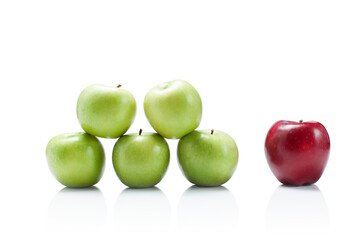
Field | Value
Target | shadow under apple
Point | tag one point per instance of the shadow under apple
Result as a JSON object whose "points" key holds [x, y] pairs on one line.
{"points": [[302, 209], [77, 209], [144, 209], [207, 208]]}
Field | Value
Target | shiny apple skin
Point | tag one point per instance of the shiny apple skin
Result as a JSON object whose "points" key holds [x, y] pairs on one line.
{"points": [[76, 160], [297, 152], [207, 159], [105, 111], [173, 108], [141, 161]]}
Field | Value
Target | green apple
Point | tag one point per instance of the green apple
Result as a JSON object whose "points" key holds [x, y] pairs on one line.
{"points": [[207, 157], [141, 160], [106, 111], [76, 159], [173, 108]]}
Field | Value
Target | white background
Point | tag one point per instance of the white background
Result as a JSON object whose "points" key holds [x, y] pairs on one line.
{"points": [[252, 62]]}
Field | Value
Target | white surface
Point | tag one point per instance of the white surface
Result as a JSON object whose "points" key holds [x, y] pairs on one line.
{"points": [[253, 63]]}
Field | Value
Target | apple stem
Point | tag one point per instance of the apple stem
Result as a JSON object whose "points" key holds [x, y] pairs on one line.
{"points": [[212, 131], [118, 86], [140, 131], [301, 121]]}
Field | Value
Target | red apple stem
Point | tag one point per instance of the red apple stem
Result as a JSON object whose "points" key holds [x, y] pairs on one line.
{"points": [[301, 121], [118, 86], [140, 131], [212, 131]]}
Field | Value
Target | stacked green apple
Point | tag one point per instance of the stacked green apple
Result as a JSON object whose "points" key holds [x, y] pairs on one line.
{"points": [[78, 159], [174, 109], [207, 157]]}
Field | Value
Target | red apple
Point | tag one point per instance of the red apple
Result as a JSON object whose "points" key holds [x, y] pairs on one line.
{"points": [[297, 152]]}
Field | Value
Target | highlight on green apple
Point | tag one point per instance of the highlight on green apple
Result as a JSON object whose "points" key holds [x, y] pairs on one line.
{"points": [[105, 111], [207, 157], [140, 160], [173, 108], [76, 159]]}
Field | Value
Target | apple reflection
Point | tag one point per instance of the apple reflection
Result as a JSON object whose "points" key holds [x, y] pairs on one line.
{"points": [[77, 210], [207, 208], [292, 208], [145, 209]]}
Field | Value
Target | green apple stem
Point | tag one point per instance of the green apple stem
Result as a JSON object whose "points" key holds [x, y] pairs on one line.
{"points": [[212, 131], [301, 121], [140, 131], [118, 86]]}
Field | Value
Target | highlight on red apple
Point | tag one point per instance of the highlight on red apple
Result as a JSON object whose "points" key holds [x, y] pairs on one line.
{"points": [[297, 152]]}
